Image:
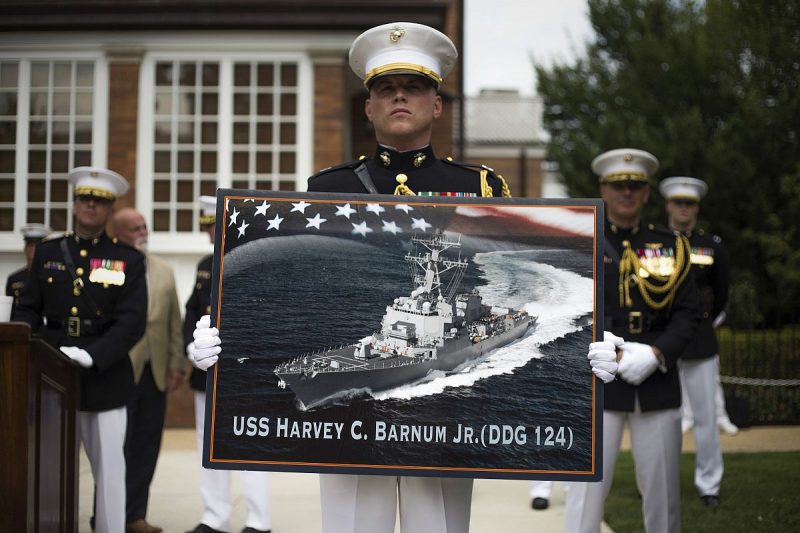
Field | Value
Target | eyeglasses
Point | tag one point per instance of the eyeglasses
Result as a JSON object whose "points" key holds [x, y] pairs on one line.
{"points": [[683, 202], [628, 184]]}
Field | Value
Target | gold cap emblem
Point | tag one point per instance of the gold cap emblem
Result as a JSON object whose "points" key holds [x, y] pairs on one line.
{"points": [[627, 157], [396, 34]]}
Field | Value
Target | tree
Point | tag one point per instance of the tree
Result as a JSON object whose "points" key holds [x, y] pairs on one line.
{"points": [[713, 90]]}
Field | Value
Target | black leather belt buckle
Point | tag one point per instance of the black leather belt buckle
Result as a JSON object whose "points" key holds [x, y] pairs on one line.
{"points": [[635, 322], [74, 326]]}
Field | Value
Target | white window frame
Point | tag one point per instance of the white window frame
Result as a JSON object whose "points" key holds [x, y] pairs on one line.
{"points": [[12, 240], [197, 241]]}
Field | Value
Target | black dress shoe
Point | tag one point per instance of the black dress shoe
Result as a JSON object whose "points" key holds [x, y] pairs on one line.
{"points": [[540, 504], [249, 529], [202, 528], [711, 500]]}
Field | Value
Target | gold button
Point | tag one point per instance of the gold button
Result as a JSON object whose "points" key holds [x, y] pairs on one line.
{"points": [[99, 312], [49, 280], [76, 291], [197, 286], [84, 253], [95, 241], [79, 271], [208, 310], [74, 311]]}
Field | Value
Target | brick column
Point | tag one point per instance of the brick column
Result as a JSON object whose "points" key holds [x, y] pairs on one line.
{"points": [[123, 109], [330, 106]]}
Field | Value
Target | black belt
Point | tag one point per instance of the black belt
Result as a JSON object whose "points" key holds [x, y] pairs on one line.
{"points": [[78, 327], [635, 322]]}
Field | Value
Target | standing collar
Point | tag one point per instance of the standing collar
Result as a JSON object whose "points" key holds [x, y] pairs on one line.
{"points": [[390, 158]]}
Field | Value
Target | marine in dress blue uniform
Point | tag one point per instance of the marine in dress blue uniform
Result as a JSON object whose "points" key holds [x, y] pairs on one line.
{"points": [[215, 484], [699, 363], [650, 300], [32, 234], [86, 295], [402, 65]]}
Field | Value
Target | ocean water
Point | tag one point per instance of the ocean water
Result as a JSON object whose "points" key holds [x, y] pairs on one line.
{"points": [[529, 404]]}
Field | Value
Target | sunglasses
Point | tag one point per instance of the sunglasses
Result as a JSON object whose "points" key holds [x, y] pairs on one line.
{"points": [[682, 202], [86, 198], [628, 184]]}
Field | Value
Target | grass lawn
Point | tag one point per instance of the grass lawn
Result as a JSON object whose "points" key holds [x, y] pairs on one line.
{"points": [[760, 492]]}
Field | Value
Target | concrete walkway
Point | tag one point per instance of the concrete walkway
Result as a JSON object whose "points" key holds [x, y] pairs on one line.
{"points": [[498, 505]]}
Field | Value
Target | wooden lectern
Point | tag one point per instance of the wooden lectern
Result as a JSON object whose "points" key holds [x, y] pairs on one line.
{"points": [[39, 450]]}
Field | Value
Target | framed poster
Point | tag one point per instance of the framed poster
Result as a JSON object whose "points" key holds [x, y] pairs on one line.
{"points": [[424, 336]]}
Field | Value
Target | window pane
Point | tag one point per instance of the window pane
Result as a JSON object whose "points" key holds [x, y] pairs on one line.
{"points": [[37, 132], [83, 132], [7, 190], [161, 162], [210, 75], [288, 133], [241, 132], [210, 103], [188, 71], [287, 163], [241, 184], [264, 185], [241, 74], [83, 158], [8, 104], [60, 132], [185, 161], [208, 162], [264, 162], [186, 103], [7, 158], [61, 103], [83, 104], [35, 215], [241, 104], [163, 103], [62, 74], [9, 73], [185, 220], [37, 160], [287, 185], [60, 161], [163, 131], [264, 104], [59, 190], [288, 104], [264, 133], [289, 75], [38, 103], [240, 162], [185, 132], [40, 74], [164, 74], [161, 191], [208, 187], [58, 219], [266, 76], [6, 219], [84, 75], [8, 132], [160, 220], [185, 191], [36, 190], [209, 133]]}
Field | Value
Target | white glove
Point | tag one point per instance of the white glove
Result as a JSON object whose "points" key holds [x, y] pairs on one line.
{"points": [[204, 351], [637, 363], [603, 356], [79, 355]]}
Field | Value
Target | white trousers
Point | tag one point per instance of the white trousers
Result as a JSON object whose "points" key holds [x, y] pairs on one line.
{"points": [[656, 446], [541, 489], [215, 486], [368, 504], [719, 399], [103, 438], [698, 382]]}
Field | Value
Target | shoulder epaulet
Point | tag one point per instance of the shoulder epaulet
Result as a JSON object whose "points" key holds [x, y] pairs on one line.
{"points": [[488, 173], [663, 230], [349, 164], [717, 239], [56, 236], [464, 164]]}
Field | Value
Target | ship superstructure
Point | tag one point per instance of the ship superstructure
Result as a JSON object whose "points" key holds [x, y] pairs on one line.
{"points": [[432, 329]]}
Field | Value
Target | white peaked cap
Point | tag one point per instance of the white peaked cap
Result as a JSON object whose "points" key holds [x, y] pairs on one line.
{"points": [[624, 164], [97, 181], [402, 48], [683, 187], [208, 214], [35, 232]]}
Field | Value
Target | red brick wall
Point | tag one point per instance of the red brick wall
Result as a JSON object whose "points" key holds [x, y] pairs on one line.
{"points": [[123, 110], [329, 114]]}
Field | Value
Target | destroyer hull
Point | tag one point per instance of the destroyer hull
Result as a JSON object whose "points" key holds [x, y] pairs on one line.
{"points": [[322, 387]]}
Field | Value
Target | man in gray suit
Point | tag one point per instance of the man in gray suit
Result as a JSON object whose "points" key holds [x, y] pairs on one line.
{"points": [[158, 367]]}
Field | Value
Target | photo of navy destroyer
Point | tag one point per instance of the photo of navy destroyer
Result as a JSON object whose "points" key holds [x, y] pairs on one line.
{"points": [[434, 329]]}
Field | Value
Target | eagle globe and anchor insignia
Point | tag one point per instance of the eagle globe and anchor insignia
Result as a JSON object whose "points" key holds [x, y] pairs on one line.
{"points": [[432, 329]]}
